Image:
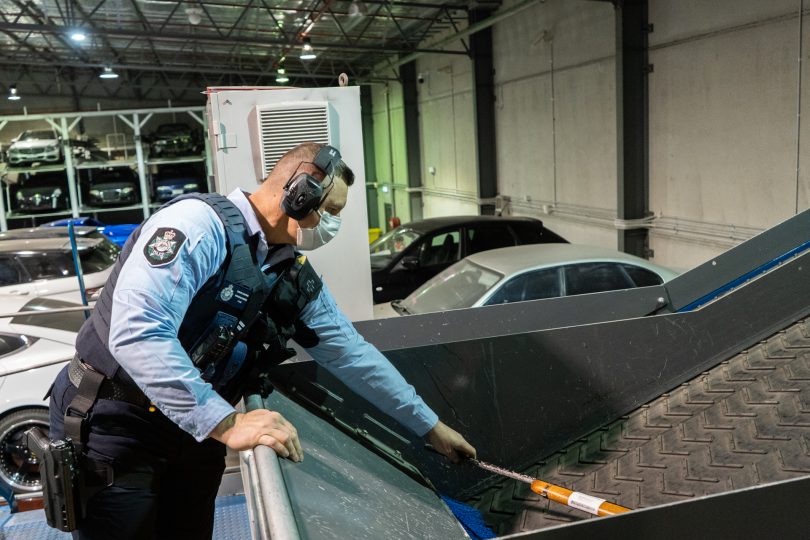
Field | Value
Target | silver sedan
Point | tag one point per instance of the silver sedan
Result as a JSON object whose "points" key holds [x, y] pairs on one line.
{"points": [[532, 272]]}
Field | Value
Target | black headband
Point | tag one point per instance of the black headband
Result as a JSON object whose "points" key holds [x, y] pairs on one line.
{"points": [[327, 159]]}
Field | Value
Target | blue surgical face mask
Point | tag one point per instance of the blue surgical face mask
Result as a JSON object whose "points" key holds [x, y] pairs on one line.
{"points": [[319, 235]]}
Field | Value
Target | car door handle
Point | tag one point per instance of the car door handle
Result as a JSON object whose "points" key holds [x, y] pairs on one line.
{"points": [[18, 292]]}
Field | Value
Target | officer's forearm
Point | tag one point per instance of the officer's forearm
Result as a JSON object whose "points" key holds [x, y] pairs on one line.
{"points": [[226, 424]]}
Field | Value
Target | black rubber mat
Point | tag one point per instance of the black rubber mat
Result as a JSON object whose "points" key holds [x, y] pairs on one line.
{"points": [[743, 423]]}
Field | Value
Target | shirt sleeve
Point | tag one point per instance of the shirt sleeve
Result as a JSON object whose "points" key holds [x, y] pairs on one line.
{"points": [[362, 367], [154, 289]]}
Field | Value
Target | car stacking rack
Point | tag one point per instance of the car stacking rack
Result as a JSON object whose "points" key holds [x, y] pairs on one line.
{"points": [[686, 402]]}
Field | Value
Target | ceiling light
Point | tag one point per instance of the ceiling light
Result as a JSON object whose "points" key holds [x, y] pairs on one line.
{"points": [[108, 73], [78, 35], [307, 52], [194, 16], [281, 76], [12, 93], [357, 8]]}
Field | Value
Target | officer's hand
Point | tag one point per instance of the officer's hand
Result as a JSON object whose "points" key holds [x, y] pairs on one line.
{"points": [[245, 431], [449, 442]]}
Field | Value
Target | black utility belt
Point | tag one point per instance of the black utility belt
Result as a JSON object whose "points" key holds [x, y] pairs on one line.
{"points": [[110, 388]]}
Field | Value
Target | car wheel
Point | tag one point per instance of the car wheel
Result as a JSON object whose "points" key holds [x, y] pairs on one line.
{"points": [[19, 468]]}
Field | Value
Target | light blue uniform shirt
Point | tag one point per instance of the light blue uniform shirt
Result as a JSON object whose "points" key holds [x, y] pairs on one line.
{"points": [[150, 302]]}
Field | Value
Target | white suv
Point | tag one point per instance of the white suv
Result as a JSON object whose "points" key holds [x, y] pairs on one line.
{"points": [[35, 145], [39, 262]]}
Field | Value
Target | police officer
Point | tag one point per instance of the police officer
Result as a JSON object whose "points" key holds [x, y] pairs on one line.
{"points": [[167, 350]]}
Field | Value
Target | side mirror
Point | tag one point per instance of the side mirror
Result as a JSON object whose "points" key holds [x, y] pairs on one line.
{"points": [[410, 262]]}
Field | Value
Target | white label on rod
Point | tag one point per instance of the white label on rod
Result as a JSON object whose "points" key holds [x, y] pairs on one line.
{"points": [[585, 502]]}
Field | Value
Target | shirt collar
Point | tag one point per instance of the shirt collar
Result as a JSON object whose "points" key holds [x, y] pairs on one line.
{"points": [[240, 200]]}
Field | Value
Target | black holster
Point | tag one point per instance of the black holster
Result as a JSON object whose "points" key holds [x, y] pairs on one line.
{"points": [[62, 479], [64, 486]]}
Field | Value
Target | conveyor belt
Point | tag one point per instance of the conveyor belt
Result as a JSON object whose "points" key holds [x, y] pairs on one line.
{"points": [[743, 423]]}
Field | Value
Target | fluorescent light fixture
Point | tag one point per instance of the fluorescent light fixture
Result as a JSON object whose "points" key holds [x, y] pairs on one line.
{"points": [[194, 16], [108, 73], [307, 52], [78, 35], [357, 8], [12, 93], [281, 76]]}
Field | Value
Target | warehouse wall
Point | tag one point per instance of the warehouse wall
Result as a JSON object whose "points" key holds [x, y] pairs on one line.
{"points": [[391, 170], [447, 134], [556, 117], [725, 96], [724, 138], [555, 121]]}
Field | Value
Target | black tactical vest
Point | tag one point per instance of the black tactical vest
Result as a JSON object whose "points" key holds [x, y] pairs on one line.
{"points": [[239, 303]]}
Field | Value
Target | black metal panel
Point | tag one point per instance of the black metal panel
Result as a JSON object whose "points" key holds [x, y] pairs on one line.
{"points": [[506, 319], [483, 68], [521, 397], [777, 510], [633, 123], [792, 234], [342, 490]]}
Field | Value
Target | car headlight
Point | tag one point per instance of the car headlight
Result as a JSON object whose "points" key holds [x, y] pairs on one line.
{"points": [[20, 196], [95, 192], [190, 186], [127, 190]]}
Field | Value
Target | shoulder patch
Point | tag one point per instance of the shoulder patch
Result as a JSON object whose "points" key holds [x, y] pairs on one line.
{"points": [[162, 248]]}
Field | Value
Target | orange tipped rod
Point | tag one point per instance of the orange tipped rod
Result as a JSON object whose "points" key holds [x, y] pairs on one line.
{"points": [[574, 499]]}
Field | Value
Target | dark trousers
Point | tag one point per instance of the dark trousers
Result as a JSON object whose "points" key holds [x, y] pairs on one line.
{"points": [[164, 482]]}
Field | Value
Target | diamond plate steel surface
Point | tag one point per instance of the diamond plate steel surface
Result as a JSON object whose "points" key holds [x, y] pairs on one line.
{"points": [[743, 423], [231, 518]]}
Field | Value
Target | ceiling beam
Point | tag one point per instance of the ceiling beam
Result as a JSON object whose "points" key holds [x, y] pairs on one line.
{"points": [[151, 68], [56, 30]]}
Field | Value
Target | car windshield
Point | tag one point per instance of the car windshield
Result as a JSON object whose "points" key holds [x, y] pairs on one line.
{"points": [[41, 134], [59, 264], [385, 248], [458, 286]]}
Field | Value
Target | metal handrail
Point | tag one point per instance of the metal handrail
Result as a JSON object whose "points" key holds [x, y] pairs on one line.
{"points": [[269, 505]]}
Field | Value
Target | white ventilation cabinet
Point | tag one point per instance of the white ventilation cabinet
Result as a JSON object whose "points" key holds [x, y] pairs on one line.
{"points": [[251, 128]]}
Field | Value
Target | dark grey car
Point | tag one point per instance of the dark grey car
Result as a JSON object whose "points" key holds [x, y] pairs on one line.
{"points": [[42, 192], [114, 186]]}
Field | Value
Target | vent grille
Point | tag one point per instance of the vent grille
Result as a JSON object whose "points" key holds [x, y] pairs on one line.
{"points": [[284, 129]]}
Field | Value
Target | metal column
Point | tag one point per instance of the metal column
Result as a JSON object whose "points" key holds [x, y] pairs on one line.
{"points": [[136, 124], [632, 125], [367, 116], [484, 93], [410, 98], [71, 172]]}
